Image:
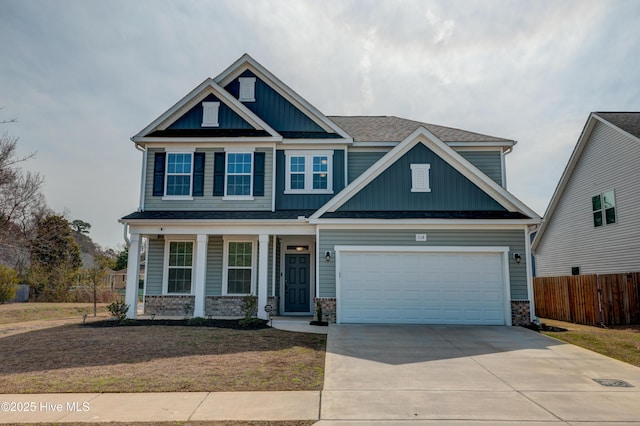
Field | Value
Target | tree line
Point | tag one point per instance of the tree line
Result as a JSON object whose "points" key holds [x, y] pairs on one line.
{"points": [[38, 246]]}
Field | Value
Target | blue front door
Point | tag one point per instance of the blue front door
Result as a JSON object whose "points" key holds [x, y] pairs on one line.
{"points": [[296, 282]]}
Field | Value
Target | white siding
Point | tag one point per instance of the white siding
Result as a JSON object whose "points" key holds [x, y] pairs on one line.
{"points": [[610, 160]]}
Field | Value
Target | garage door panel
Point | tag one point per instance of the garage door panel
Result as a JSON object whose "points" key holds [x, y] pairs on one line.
{"points": [[421, 287]]}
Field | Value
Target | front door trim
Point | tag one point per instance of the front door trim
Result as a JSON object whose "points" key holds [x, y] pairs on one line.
{"points": [[284, 250]]}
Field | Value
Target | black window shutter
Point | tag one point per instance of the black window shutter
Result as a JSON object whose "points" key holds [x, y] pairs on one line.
{"points": [[258, 174], [198, 174], [158, 174], [218, 174]]}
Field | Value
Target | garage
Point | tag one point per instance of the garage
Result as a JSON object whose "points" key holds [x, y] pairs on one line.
{"points": [[422, 285]]}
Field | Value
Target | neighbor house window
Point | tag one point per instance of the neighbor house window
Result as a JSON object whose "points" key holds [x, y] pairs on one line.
{"points": [[179, 267], [420, 178], [239, 267], [239, 168], [604, 209], [210, 112], [309, 172], [179, 173], [247, 89]]}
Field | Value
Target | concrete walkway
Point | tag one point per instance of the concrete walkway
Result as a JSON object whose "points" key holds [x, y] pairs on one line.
{"points": [[465, 375]]}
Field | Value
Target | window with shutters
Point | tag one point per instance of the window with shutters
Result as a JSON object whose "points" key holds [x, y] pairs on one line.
{"points": [[247, 89], [239, 174], [420, 178], [210, 111], [309, 172], [179, 174]]}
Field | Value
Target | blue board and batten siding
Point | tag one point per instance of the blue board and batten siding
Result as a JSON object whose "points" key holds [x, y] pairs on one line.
{"points": [[450, 190], [488, 162], [274, 109], [208, 201], [514, 239], [306, 201], [227, 118]]}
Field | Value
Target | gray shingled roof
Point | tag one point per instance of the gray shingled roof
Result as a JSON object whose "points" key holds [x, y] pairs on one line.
{"points": [[396, 129], [627, 121]]}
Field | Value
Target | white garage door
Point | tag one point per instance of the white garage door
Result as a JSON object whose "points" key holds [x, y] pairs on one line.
{"points": [[421, 287]]}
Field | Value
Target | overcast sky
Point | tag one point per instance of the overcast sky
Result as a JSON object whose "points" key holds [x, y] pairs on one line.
{"points": [[82, 77]]}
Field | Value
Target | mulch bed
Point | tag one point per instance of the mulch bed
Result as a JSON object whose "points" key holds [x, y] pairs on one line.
{"points": [[189, 322]]}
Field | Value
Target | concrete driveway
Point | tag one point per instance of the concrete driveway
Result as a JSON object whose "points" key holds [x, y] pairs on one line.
{"points": [[470, 375]]}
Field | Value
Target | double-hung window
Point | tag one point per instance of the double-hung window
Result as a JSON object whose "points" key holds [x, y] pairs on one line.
{"points": [[603, 207], [239, 267], [309, 172], [179, 168], [179, 267], [239, 168]]}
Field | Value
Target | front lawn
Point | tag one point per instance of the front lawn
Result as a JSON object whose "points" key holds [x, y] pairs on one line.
{"points": [[21, 312], [76, 358], [619, 342]]}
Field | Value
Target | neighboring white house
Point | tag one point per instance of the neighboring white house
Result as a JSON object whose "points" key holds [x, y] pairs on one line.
{"points": [[592, 224]]}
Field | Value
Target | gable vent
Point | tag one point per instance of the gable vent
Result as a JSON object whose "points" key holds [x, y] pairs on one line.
{"points": [[210, 112], [247, 89]]}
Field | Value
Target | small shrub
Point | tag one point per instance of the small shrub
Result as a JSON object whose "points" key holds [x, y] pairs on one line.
{"points": [[118, 310], [319, 311], [8, 283], [197, 321], [249, 309]]}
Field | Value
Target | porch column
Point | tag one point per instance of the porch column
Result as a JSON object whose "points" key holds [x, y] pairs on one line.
{"points": [[263, 268], [133, 276], [201, 275]]}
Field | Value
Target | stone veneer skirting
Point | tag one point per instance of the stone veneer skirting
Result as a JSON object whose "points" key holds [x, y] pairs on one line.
{"points": [[520, 312], [215, 306], [231, 306]]}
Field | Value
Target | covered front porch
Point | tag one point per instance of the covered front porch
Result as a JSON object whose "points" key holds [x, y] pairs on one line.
{"points": [[206, 271]]}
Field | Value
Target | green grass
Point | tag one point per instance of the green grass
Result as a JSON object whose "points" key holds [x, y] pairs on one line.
{"points": [[619, 342]]}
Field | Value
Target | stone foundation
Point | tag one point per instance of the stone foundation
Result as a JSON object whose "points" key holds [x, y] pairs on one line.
{"points": [[328, 309], [520, 313], [215, 306], [175, 306]]}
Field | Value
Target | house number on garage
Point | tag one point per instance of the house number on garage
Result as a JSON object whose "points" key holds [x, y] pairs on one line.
{"points": [[421, 237]]}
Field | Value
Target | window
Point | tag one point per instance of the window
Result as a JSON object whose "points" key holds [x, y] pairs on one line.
{"points": [[179, 174], [179, 266], [247, 89], [309, 172], [239, 271], [420, 178], [603, 207], [210, 111], [239, 167]]}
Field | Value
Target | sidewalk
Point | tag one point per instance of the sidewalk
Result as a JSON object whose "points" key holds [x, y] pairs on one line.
{"points": [[150, 407]]}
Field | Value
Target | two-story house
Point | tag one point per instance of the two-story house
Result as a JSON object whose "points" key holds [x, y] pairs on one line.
{"points": [[247, 188]]}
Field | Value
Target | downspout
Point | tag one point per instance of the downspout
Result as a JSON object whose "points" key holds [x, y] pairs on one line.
{"points": [[530, 229], [126, 234]]}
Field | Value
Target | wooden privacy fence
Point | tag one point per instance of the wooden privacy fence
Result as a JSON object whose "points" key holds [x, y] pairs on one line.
{"points": [[612, 299]]}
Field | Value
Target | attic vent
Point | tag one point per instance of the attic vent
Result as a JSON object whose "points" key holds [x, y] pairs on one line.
{"points": [[247, 89], [420, 178], [210, 114]]}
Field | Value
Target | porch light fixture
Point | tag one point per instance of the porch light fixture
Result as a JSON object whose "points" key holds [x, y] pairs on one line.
{"points": [[517, 257], [300, 248], [327, 255]]}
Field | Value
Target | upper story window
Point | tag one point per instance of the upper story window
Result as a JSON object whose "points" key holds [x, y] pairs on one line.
{"points": [[603, 207], [247, 89], [309, 172], [210, 112], [239, 172], [420, 178], [179, 174]]}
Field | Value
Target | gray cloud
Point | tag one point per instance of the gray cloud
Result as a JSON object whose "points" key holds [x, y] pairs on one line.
{"points": [[83, 76]]}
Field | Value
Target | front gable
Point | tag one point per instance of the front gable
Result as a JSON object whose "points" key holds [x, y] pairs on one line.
{"points": [[453, 185], [449, 190]]}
